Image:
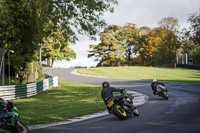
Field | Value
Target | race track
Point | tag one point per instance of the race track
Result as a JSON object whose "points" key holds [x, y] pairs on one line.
{"points": [[179, 114]]}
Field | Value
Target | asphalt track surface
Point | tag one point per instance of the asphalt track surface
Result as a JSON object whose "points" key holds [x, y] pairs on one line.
{"points": [[179, 114]]}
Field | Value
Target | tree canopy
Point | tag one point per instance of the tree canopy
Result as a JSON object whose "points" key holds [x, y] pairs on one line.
{"points": [[56, 47], [25, 24], [141, 46], [191, 38]]}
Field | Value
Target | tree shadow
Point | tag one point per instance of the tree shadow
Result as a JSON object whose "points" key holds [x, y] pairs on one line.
{"points": [[61, 103]]}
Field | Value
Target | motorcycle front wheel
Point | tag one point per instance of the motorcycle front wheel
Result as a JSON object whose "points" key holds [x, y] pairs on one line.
{"points": [[135, 112], [165, 95], [20, 128], [119, 112]]}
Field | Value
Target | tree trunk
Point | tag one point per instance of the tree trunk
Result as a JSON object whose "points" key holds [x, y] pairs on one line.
{"points": [[48, 62], [52, 62]]}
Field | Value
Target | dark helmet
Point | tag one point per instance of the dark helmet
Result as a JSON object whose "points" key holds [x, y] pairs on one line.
{"points": [[3, 104], [105, 84]]}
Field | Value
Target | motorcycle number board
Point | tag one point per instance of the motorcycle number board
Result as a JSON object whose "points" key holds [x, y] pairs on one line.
{"points": [[111, 103]]}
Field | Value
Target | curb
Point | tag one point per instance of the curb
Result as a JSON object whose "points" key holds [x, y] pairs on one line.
{"points": [[75, 73]]}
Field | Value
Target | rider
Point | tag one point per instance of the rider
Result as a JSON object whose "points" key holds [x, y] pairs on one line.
{"points": [[107, 93], [5, 107], [155, 84]]}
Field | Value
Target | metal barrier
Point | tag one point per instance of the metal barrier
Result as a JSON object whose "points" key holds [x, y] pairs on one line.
{"points": [[27, 90]]}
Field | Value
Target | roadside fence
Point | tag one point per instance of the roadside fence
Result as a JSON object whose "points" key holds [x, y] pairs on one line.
{"points": [[27, 90]]}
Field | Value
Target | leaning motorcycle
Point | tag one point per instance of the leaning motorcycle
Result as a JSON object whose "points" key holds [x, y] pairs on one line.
{"points": [[122, 106], [9, 119], [159, 89]]}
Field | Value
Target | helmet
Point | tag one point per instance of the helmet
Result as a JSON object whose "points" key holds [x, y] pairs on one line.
{"points": [[154, 80], [105, 84], [3, 104]]}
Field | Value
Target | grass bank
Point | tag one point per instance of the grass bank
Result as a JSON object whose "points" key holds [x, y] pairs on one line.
{"points": [[146, 73], [68, 100]]}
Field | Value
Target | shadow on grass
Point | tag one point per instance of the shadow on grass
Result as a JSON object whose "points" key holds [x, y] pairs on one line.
{"points": [[67, 101]]}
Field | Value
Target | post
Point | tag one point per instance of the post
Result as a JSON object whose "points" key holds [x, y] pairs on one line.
{"points": [[186, 58], [182, 60], [36, 74], [32, 67], [3, 65], [12, 51], [40, 57], [8, 67]]}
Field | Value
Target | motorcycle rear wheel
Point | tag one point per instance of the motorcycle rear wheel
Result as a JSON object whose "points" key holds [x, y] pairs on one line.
{"points": [[119, 112]]}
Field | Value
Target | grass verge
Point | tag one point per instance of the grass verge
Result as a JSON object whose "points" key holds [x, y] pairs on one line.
{"points": [[68, 100], [146, 73]]}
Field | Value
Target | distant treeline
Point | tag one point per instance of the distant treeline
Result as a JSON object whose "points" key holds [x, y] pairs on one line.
{"points": [[130, 45]]}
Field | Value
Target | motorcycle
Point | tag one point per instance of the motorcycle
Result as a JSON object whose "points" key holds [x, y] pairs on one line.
{"points": [[122, 106], [9, 119], [159, 89]]}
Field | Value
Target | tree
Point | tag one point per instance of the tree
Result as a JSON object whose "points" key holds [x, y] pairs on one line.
{"points": [[129, 39], [191, 38], [169, 23], [25, 23], [149, 47], [109, 52], [170, 41], [57, 48], [194, 20]]}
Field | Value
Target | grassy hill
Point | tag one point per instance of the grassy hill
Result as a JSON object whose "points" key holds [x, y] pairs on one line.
{"points": [[146, 73]]}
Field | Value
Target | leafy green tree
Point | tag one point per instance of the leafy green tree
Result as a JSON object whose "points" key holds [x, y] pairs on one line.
{"points": [[194, 20], [191, 39], [139, 48], [170, 41], [25, 23], [109, 52], [57, 48], [129, 38]]}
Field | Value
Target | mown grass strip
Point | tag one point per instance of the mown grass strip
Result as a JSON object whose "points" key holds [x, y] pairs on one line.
{"points": [[146, 73], [68, 100]]}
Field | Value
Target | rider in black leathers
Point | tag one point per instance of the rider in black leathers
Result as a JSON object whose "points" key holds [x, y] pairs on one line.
{"points": [[107, 92]]}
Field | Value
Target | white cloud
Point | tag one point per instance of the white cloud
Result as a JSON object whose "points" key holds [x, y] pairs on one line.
{"points": [[139, 12]]}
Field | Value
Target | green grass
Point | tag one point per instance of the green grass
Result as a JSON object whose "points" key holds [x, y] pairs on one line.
{"points": [[146, 73], [67, 101]]}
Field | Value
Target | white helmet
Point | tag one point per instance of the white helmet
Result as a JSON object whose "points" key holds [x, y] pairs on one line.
{"points": [[154, 80]]}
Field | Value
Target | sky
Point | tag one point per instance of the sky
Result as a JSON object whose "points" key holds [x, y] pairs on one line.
{"points": [[140, 12]]}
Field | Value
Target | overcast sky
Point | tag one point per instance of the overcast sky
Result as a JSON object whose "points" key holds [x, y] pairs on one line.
{"points": [[139, 12]]}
